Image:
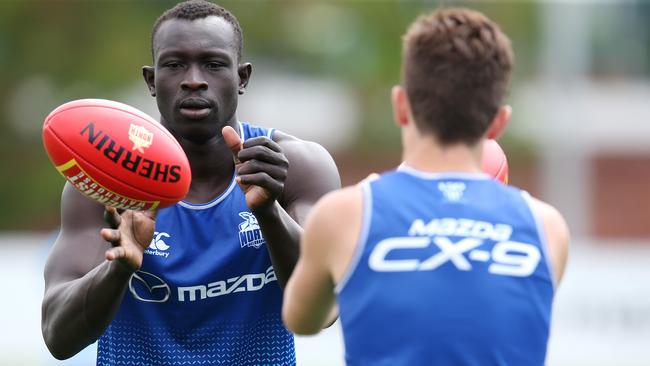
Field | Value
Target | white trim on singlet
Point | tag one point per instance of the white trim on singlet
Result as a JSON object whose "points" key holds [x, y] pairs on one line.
{"points": [[366, 215], [223, 195], [214, 202], [233, 183], [241, 131], [441, 175], [269, 133], [542, 236]]}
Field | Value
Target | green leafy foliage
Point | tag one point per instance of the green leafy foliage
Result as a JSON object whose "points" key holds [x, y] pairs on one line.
{"points": [[80, 49]]}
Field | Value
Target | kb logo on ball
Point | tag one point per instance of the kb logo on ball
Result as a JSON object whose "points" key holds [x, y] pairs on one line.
{"points": [[141, 137]]}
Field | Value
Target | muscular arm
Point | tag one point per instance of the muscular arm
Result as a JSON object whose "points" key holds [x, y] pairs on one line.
{"points": [[327, 247], [282, 234], [282, 179], [312, 173], [83, 290], [557, 236]]}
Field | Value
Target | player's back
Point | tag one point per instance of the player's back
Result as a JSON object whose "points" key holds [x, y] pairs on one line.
{"points": [[450, 269]]}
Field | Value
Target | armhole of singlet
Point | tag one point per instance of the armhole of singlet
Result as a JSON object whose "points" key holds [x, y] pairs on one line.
{"points": [[241, 132], [366, 215], [542, 236], [269, 133]]}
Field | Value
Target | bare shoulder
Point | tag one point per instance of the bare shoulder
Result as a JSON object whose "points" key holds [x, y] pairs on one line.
{"points": [[338, 207], [312, 173], [333, 227], [305, 151], [335, 217], [553, 219], [557, 235]]}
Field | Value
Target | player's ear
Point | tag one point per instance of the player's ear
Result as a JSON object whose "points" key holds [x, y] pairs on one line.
{"points": [[401, 106], [244, 71], [499, 122], [149, 76]]}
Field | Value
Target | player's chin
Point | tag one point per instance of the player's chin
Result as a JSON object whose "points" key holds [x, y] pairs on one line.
{"points": [[198, 133]]}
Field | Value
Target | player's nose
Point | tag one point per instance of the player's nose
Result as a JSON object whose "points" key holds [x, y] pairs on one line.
{"points": [[194, 80]]}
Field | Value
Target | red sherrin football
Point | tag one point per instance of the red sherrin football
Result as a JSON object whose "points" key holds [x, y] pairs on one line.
{"points": [[116, 154], [494, 161]]}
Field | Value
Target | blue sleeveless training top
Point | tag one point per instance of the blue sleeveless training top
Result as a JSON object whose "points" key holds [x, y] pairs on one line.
{"points": [[450, 269], [206, 293]]}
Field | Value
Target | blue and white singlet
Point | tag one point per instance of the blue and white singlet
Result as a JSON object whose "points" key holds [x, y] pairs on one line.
{"points": [[450, 269], [206, 293]]}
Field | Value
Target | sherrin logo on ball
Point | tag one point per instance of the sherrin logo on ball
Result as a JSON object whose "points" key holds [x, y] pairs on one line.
{"points": [[116, 155], [130, 160]]}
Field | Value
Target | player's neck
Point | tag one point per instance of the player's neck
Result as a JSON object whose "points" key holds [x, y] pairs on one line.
{"points": [[212, 166], [212, 174], [426, 155]]}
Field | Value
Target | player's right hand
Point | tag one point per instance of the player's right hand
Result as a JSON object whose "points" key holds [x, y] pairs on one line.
{"points": [[262, 168], [130, 233]]}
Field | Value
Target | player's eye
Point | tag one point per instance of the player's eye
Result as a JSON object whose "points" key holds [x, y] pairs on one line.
{"points": [[214, 65], [172, 65]]}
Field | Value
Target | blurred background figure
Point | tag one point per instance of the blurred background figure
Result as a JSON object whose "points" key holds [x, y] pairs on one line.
{"points": [[579, 137]]}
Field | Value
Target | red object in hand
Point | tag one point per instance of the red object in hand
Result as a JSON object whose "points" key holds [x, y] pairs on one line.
{"points": [[494, 161], [116, 155]]}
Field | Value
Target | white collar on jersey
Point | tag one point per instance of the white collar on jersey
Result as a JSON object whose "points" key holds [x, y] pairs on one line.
{"points": [[440, 175], [223, 195]]}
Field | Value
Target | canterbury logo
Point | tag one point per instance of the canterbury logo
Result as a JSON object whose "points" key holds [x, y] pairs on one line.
{"points": [[141, 137], [158, 246]]}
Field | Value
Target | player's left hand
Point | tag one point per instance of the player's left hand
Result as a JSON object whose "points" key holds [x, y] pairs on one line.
{"points": [[261, 168]]}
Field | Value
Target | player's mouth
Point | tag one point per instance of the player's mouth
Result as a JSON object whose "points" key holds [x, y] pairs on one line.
{"points": [[195, 108]]}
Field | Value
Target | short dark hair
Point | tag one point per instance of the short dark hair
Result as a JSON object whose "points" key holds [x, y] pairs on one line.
{"points": [[199, 9], [456, 69]]}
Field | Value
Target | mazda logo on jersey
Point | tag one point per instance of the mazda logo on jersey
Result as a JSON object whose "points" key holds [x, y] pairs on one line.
{"points": [[147, 287], [505, 257]]}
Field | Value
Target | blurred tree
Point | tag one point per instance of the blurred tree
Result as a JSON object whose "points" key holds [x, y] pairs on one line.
{"points": [[55, 51]]}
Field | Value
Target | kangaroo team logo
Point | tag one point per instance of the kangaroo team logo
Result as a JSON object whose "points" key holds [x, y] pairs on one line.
{"points": [[453, 191], [250, 234], [158, 245], [141, 137]]}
